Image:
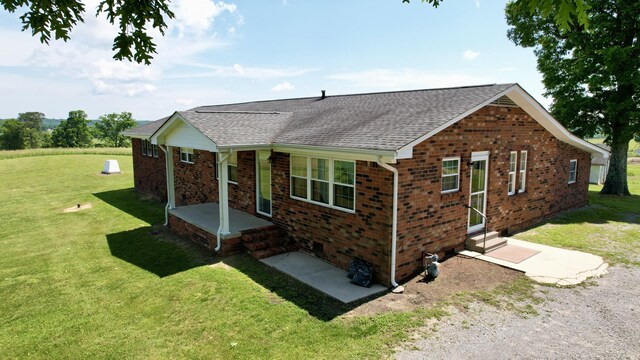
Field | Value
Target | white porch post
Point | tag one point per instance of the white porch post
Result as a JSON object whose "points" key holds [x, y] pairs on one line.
{"points": [[171, 197], [223, 191]]}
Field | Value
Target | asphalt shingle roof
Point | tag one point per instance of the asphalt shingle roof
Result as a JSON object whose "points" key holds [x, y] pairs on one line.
{"points": [[377, 121]]}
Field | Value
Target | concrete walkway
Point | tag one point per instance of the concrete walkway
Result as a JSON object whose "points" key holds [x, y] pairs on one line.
{"points": [[551, 265], [322, 276], [207, 217]]}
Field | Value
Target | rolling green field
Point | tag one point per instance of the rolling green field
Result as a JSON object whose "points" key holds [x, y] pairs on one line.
{"points": [[634, 146]]}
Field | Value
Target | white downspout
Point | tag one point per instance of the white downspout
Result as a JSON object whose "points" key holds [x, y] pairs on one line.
{"points": [[220, 226], [394, 223], [166, 167]]}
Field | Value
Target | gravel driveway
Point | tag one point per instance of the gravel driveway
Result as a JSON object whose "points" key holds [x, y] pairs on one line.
{"points": [[593, 322]]}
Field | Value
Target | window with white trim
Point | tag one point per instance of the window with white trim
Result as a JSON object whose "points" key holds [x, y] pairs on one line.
{"points": [[344, 184], [144, 147], [299, 177], [513, 162], [155, 150], [327, 182], [186, 155], [522, 179], [450, 174], [232, 167], [573, 171]]}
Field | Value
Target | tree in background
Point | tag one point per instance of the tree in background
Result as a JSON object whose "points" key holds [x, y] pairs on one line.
{"points": [[593, 74], [73, 132], [110, 126], [32, 122], [12, 135]]}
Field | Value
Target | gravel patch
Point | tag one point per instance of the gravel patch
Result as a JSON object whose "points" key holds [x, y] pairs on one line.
{"points": [[594, 322]]}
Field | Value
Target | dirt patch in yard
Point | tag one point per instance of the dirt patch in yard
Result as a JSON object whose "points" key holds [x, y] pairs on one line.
{"points": [[457, 274], [78, 207]]}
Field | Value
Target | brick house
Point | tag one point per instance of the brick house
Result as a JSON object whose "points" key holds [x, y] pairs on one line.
{"points": [[383, 176]]}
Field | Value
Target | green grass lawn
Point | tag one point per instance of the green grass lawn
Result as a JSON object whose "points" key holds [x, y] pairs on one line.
{"points": [[97, 284], [609, 226]]}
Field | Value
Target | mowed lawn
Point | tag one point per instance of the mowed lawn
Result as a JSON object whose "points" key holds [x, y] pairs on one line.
{"points": [[97, 284], [609, 226]]}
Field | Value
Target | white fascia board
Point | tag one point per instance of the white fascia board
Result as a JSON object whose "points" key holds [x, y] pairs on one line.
{"points": [[341, 153], [408, 149], [160, 136], [137, 136], [542, 116]]}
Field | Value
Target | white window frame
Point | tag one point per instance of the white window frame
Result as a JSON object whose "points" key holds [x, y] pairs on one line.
{"points": [[334, 183], [228, 167], [522, 171], [511, 183], [155, 150], [187, 152], [442, 175], [144, 147], [331, 182], [575, 171]]}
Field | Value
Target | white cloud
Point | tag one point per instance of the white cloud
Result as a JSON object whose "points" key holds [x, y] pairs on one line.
{"points": [[470, 54], [403, 79], [283, 86], [507, 69], [477, 3], [183, 101], [197, 16], [239, 71]]}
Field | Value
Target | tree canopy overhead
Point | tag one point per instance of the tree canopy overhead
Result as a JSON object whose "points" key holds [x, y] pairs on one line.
{"points": [[55, 19], [564, 12], [593, 74]]}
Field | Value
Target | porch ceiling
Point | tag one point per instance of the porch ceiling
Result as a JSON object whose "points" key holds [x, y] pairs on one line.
{"points": [[207, 217]]}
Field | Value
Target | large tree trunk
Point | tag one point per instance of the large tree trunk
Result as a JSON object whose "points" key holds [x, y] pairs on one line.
{"points": [[616, 183]]}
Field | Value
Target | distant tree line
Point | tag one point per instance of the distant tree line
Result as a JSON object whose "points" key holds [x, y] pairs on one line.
{"points": [[28, 132]]}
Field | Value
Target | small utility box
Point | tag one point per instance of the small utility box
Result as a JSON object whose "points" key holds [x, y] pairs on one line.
{"points": [[111, 167]]}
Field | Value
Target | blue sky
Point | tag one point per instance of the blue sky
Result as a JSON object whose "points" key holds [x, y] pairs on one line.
{"points": [[221, 52]]}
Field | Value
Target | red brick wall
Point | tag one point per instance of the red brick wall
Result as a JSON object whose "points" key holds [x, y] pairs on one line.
{"points": [[365, 234], [434, 222], [195, 183], [149, 175], [242, 196]]}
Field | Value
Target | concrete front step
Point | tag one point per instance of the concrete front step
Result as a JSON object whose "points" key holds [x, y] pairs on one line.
{"points": [[273, 251], [493, 244], [478, 238]]}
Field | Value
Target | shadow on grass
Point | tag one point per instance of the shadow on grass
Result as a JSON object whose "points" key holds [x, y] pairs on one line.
{"points": [[602, 209], [316, 303], [141, 248], [163, 253], [127, 200]]}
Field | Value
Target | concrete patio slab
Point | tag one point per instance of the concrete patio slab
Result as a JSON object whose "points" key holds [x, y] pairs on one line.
{"points": [[322, 276], [551, 265]]}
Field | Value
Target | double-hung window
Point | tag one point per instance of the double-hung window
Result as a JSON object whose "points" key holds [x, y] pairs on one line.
{"points": [[328, 182], [522, 180], [513, 162], [299, 175], [233, 167], [186, 155], [144, 147], [573, 171], [450, 174], [155, 150], [344, 184]]}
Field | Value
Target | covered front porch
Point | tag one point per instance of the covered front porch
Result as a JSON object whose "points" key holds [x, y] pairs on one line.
{"points": [[207, 217]]}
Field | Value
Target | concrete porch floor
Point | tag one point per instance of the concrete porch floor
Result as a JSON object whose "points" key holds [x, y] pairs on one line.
{"points": [[207, 217], [551, 265], [321, 275]]}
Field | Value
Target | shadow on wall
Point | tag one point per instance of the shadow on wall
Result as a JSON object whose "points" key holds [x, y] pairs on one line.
{"points": [[146, 209]]}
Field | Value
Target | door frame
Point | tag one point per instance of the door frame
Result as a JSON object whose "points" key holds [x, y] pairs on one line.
{"points": [[478, 156], [258, 179]]}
